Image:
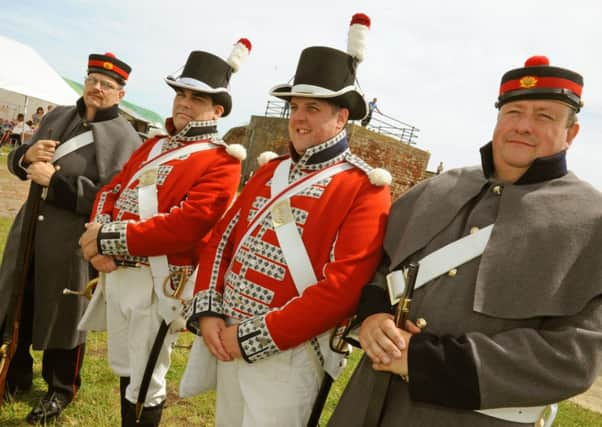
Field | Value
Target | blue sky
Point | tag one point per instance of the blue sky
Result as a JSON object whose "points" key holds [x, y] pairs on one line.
{"points": [[433, 64]]}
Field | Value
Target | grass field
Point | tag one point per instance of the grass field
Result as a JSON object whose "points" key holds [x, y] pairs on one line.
{"points": [[97, 403]]}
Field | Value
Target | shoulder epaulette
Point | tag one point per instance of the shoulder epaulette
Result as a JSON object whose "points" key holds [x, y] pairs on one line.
{"points": [[267, 156], [377, 176], [235, 150]]}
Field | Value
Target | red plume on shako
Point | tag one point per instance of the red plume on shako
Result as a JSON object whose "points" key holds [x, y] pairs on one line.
{"points": [[240, 52]]}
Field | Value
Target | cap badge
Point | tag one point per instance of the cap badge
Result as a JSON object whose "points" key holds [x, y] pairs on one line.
{"points": [[107, 66], [528, 82]]}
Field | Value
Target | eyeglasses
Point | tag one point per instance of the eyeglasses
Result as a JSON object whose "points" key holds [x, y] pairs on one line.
{"points": [[104, 85]]}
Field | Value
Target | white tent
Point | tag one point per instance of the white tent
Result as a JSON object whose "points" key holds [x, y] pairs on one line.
{"points": [[27, 81]]}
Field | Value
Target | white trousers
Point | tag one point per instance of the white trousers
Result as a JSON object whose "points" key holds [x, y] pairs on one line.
{"points": [[132, 324], [274, 392]]}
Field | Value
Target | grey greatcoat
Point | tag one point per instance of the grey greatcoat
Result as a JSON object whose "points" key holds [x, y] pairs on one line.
{"points": [[519, 326], [58, 262]]}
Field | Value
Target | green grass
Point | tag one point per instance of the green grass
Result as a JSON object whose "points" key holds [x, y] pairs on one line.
{"points": [[97, 403], [4, 226]]}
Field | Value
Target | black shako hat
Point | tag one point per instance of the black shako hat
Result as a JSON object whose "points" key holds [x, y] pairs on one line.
{"points": [[329, 74], [109, 65], [539, 80], [210, 74]]}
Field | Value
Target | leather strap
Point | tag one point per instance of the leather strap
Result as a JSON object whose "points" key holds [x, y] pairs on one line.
{"points": [[527, 414], [154, 162], [290, 242], [441, 261], [296, 256], [72, 145], [148, 206], [290, 191]]}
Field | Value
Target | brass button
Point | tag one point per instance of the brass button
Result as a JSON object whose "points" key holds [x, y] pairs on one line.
{"points": [[497, 189], [474, 230], [40, 218], [421, 323], [263, 341], [452, 272], [57, 168]]}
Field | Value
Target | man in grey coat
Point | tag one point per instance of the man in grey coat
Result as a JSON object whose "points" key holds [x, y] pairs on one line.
{"points": [[75, 151], [517, 324]]}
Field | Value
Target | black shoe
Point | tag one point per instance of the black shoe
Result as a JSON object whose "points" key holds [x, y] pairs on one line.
{"points": [[47, 409], [150, 417]]}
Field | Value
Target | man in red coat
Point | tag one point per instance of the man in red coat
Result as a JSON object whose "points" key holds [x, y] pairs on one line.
{"points": [[148, 222], [287, 263]]}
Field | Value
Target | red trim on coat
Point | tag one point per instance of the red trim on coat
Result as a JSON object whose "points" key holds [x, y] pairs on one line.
{"points": [[74, 387]]}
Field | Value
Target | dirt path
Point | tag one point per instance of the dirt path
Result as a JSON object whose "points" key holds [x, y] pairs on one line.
{"points": [[13, 191]]}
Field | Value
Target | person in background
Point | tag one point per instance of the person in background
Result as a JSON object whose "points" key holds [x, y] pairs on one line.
{"points": [[36, 118], [371, 108], [20, 130]]}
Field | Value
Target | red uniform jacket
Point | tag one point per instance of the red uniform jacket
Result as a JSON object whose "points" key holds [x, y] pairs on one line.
{"points": [[193, 192], [341, 220]]}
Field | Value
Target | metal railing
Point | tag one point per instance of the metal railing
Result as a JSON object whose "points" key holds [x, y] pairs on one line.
{"points": [[379, 123], [277, 109], [390, 126]]}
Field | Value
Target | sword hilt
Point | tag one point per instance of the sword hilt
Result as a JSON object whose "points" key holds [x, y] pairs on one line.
{"points": [[86, 292], [175, 294], [403, 307]]}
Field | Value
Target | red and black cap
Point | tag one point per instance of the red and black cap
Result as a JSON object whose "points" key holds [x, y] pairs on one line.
{"points": [[109, 65], [539, 80]]}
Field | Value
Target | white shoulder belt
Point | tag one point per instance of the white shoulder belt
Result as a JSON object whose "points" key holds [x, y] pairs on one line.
{"points": [[440, 262], [294, 251], [148, 206], [73, 144]]}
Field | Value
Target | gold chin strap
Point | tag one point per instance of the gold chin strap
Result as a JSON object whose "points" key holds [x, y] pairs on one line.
{"points": [[87, 292]]}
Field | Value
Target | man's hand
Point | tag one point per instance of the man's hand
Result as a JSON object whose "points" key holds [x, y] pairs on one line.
{"points": [[88, 239], [382, 340], [41, 151], [211, 328], [40, 173], [103, 263], [398, 365], [229, 338]]}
